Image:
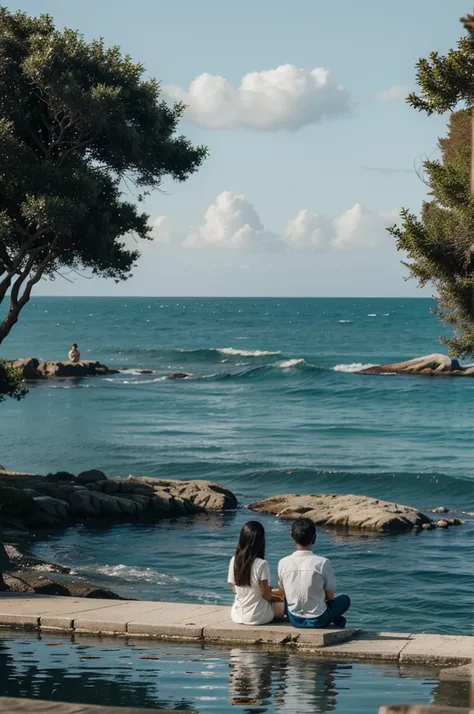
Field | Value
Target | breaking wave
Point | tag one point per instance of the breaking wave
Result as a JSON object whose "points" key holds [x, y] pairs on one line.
{"points": [[130, 574]]}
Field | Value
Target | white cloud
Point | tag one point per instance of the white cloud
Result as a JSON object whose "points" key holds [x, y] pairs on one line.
{"points": [[161, 230], [398, 91], [356, 229], [282, 98], [360, 228], [232, 222], [308, 231]]}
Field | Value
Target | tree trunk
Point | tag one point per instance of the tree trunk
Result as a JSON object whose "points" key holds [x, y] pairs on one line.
{"points": [[10, 320]]}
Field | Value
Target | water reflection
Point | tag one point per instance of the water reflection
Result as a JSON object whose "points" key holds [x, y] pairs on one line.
{"points": [[204, 679], [255, 677]]}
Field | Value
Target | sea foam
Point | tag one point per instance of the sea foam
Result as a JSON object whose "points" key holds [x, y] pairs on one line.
{"points": [[287, 364], [129, 573], [245, 353], [354, 367]]}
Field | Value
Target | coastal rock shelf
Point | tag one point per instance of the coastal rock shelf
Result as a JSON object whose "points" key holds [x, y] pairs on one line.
{"points": [[59, 500], [212, 623], [350, 512], [432, 366], [32, 369]]}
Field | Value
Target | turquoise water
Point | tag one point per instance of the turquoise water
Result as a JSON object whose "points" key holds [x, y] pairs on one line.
{"points": [[191, 678], [272, 407]]}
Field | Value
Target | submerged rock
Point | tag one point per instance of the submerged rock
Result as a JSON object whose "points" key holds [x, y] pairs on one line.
{"points": [[430, 365], [178, 375], [351, 512]]}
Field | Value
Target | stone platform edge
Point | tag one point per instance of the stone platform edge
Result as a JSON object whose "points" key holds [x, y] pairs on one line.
{"points": [[212, 624]]}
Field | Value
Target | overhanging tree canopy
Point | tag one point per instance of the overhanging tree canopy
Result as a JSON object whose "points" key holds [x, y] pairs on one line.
{"points": [[77, 120], [11, 383], [440, 242]]}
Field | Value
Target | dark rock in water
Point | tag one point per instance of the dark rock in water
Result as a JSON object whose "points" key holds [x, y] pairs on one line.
{"points": [[33, 501], [91, 476], [178, 375], [60, 476], [32, 581], [32, 369], [431, 365], [21, 559], [145, 371], [23, 572], [27, 367]]}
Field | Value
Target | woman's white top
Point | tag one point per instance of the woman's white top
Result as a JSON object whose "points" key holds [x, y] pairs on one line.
{"points": [[250, 607]]}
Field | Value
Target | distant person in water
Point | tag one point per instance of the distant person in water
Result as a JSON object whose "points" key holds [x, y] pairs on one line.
{"points": [[74, 354], [249, 574], [308, 584]]}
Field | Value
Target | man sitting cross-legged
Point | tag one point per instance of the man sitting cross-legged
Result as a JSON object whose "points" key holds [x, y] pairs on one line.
{"points": [[308, 583]]}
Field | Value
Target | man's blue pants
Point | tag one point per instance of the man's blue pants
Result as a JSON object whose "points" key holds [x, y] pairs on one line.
{"points": [[335, 609]]}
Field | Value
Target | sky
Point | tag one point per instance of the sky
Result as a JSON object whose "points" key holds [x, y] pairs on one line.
{"points": [[312, 148]]}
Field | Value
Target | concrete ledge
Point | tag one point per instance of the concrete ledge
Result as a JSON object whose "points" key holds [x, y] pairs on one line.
{"points": [[435, 649], [370, 646], [464, 673], [212, 623]]}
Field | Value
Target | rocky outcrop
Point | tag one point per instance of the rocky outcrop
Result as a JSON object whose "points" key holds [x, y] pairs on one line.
{"points": [[349, 512], [28, 367], [32, 369], [61, 499], [431, 365], [23, 572], [48, 583], [21, 560], [206, 494]]}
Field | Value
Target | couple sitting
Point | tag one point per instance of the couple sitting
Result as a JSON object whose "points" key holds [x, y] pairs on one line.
{"points": [[306, 592]]}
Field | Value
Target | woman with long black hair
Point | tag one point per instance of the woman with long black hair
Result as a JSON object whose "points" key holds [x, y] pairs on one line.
{"points": [[249, 574]]}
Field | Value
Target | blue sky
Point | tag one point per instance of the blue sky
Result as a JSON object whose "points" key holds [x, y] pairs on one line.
{"points": [[292, 200]]}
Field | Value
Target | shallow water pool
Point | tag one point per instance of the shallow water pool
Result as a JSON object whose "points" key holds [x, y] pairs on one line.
{"points": [[206, 679]]}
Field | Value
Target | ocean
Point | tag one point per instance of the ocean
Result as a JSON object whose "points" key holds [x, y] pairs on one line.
{"points": [[272, 406]]}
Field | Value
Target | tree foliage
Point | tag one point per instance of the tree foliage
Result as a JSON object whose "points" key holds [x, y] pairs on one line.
{"points": [[11, 383], [78, 122], [440, 241]]}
